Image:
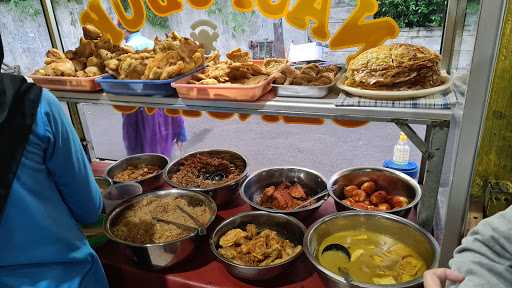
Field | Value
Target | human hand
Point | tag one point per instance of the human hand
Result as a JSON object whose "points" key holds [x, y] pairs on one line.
{"points": [[436, 278]]}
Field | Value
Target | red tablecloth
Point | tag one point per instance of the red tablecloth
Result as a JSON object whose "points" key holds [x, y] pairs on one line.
{"points": [[202, 269]]}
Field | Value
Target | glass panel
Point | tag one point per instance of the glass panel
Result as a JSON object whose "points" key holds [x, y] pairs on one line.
{"points": [[24, 34], [256, 33], [322, 148], [465, 51]]}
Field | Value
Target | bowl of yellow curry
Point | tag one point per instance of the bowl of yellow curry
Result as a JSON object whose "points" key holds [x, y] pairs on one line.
{"points": [[370, 250]]}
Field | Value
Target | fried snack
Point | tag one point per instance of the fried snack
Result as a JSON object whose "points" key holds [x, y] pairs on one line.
{"points": [[253, 248], [170, 57], [308, 75], [239, 56], [395, 67], [87, 60], [236, 70], [272, 65]]}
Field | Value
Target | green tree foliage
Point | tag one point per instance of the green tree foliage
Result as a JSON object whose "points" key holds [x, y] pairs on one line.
{"points": [[161, 23], [24, 8], [236, 21], [413, 13]]}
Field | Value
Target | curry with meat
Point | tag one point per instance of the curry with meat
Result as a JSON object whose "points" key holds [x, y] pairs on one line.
{"points": [[284, 196], [375, 258], [254, 247]]}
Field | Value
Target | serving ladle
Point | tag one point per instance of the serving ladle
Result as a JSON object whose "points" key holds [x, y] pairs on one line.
{"points": [[344, 251], [215, 176]]}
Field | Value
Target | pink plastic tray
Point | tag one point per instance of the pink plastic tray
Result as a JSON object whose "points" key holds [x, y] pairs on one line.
{"points": [[67, 83], [224, 92]]}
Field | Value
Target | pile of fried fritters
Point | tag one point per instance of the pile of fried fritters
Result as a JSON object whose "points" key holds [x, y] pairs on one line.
{"points": [[308, 75], [256, 248], [170, 57], [395, 67], [85, 61], [97, 55], [237, 69]]}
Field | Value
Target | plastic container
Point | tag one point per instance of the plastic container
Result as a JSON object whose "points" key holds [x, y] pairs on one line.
{"points": [[223, 92], [141, 87], [67, 83], [118, 193], [410, 168], [401, 152]]}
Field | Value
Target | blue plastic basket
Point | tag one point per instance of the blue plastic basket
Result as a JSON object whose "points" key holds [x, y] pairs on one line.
{"points": [[160, 88]]}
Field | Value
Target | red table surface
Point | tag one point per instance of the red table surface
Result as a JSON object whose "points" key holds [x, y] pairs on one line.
{"points": [[201, 269]]}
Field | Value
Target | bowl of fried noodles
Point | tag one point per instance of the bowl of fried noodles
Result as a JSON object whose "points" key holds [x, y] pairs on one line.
{"points": [[157, 228]]}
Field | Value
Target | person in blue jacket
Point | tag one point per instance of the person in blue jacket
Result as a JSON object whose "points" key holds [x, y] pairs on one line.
{"points": [[47, 190], [156, 133]]}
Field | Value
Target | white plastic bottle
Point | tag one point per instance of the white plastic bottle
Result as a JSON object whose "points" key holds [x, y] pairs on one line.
{"points": [[401, 152]]}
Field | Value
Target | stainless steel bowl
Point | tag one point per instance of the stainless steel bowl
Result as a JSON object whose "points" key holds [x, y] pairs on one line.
{"points": [[104, 183], [287, 227], [148, 183], [157, 256], [389, 180], [312, 182], [223, 194], [393, 226]]}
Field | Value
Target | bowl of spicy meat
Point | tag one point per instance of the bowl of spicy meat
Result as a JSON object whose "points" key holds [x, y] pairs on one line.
{"points": [[217, 173], [283, 189], [374, 189], [145, 169]]}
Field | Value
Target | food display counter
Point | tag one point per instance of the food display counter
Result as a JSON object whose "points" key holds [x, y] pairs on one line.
{"points": [[433, 147], [202, 269]]}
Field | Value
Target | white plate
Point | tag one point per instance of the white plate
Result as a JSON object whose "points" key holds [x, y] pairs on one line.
{"points": [[395, 95]]}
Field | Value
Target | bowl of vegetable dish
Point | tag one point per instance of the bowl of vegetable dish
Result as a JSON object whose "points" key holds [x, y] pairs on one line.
{"points": [[258, 245], [374, 189], [370, 250], [145, 169], [286, 190]]}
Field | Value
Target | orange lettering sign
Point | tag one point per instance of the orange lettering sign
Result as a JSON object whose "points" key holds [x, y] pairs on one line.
{"points": [[274, 10], [311, 10], [200, 4], [95, 15], [166, 7], [362, 33], [135, 21], [243, 5]]}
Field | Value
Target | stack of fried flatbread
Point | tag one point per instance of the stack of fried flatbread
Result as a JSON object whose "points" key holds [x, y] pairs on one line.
{"points": [[395, 67]]}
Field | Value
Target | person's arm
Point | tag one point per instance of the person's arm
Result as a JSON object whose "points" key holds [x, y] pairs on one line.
{"points": [[485, 255], [68, 165]]}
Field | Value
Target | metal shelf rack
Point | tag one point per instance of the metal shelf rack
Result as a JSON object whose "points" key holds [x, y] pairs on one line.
{"points": [[432, 147]]}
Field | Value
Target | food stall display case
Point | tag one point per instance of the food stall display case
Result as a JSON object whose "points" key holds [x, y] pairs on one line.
{"points": [[462, 122]]}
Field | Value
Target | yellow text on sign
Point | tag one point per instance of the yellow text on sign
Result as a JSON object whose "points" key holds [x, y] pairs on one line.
{"points": [[357, 31]]}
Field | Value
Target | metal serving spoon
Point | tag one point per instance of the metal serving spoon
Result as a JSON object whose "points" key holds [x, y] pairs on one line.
{"points": [[201, 229], [320, 195], [216, 176], [180, 225]]}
